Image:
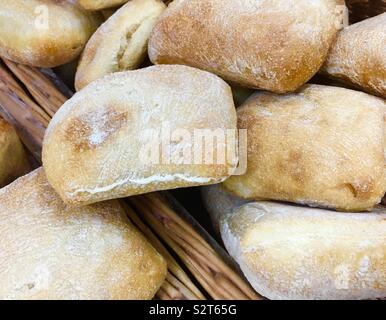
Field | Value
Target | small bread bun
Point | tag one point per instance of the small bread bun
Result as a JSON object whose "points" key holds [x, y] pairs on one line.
{"points": [[52, 251], [219, 203], [100, 4], [276, 45], [290, 252], [44, 33], [322, 146], [13, 159], [359, 55], [293, 252], [120, 43], [113, 138]]}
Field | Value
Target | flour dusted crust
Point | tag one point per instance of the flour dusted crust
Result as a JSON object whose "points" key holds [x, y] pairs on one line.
{"points": [[294, 252], [291, 252], [13, 159], [49, 250], [276, 45], [100, 4], [93, 146], [359, 55], [120, 43], [26, 38], [322, 146]]}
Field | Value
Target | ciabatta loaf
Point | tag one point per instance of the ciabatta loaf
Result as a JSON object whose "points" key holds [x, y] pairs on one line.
{"points": [[13, 159], [359, 55], [139, 131], [49, 250], [100, 4], [43, 33], [293, 252]]}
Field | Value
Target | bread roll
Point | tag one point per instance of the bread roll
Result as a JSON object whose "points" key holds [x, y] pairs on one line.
{"points": [[111, 138], [276, 45], [290, 252], [359, 55], [322, 146], [107, 13], [13, 159], [100, 4], [49, 250], [241, 94], [44, 33], [120, 43]]}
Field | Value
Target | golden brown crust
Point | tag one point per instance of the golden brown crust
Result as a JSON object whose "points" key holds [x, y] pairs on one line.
{"points": [[52, 251], [292, 252], [97, 146], [322, 146], [44, 33], [120, 43], [359, 56], [13, 159], [274, 45]]}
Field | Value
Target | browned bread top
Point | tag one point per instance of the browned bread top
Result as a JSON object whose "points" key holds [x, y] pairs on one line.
{"points": [[49, 250], [359, 56], [276, 45], [321, 146]]}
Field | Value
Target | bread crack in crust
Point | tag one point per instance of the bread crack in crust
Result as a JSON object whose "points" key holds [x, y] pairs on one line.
{"points": [[294, 252], [120, 43]]}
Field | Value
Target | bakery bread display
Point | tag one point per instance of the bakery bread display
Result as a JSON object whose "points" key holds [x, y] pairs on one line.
{"points": [[322, 146], [108, 140], [293, 252], [359, 56], [276, 45], [13, 159], [49, 250], [100, 4], [44, 33], [120, 43], [293, 174]]}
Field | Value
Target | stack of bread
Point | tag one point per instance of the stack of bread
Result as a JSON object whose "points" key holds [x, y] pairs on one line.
{"points": [[303, 221]]}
